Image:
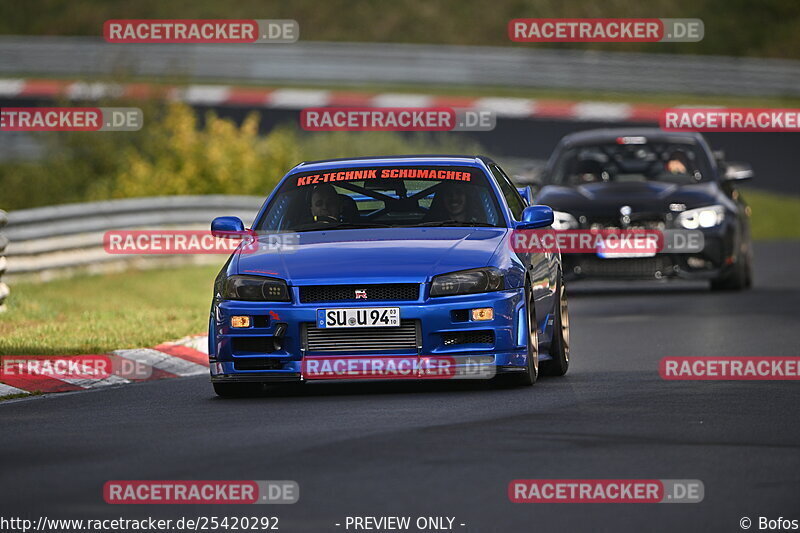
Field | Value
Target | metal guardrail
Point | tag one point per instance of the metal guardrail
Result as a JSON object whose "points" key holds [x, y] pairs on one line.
{"points": [[358, 63], [3, 242], [50, 242]]}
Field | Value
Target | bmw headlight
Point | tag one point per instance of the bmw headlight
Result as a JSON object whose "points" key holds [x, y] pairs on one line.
{"points": [[702, 217], [256, 288], [563, 220], [468, 282]]}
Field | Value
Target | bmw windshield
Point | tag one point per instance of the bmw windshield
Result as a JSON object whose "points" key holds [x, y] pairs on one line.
{"points": [[349, 198], [631, 161]]}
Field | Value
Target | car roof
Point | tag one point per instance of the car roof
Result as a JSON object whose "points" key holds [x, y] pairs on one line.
{"points": [[603, 135], [455, 160]]}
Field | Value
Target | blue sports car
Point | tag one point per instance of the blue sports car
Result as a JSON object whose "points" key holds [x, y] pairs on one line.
{"points": [[389, 267]]}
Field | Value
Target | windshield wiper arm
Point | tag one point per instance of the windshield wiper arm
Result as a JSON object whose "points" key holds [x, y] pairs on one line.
{"points": [[454, 223], [322, 226]]}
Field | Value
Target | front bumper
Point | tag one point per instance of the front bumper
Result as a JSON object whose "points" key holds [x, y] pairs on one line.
{"points": [[713, 261], [444, 329]]}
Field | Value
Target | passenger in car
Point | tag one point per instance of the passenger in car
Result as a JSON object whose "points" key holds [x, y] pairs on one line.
{"points": [[325, 203], [451, 202]]}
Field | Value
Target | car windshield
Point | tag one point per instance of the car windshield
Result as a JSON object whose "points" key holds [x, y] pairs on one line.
{"points": [[374, 197], [630, 160]]}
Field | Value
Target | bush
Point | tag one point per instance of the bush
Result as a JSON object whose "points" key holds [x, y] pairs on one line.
{"points": [[174, 154]]}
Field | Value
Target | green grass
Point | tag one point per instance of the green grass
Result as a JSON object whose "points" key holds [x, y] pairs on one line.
{"points": [[21, 395], [97, 314], [472, 91], [774, 216]]}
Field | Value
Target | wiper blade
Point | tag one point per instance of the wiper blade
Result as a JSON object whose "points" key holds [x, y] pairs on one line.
{"points": [[453, 223], [323, 226], [352, 225]]}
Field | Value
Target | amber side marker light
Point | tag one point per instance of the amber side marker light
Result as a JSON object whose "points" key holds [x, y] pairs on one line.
{"points": [[483, 313], [240, 321]]}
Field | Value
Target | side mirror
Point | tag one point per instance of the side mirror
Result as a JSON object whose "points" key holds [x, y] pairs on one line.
{"points": [[226, 226], [536, 216], [738, 172], [719, 155]]}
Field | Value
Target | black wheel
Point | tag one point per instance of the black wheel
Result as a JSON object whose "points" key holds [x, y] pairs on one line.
{"points": [[740, 276], [528, 377], [237, 390], [559, 347]]}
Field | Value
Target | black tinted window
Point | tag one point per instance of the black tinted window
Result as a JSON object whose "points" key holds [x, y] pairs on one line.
{"points": [[621, 162], [515, 202]]}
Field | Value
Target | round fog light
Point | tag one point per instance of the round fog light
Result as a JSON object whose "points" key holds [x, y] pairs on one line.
{"points": [[696, 262]]}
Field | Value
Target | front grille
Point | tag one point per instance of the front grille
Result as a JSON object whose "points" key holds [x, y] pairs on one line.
{"points": [[404, 337], [258, 363], [636, 268], [615, 223], [468, 337], [347, 293]]}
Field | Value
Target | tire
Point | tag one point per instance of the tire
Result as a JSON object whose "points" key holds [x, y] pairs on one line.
{"points": [[739, 278], [237, 390], [528, 377], [748, 283], [559, 347]]}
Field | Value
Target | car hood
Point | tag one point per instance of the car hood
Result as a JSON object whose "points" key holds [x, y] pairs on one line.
{"points": [[642, 197], [381, 255]]}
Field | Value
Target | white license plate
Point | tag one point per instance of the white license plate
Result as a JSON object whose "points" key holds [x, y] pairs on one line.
{"points": [[364, 317], [623, 255], [611, 253]]}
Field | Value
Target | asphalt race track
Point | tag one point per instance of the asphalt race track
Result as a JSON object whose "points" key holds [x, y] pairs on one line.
{"points": [[451, 449]]}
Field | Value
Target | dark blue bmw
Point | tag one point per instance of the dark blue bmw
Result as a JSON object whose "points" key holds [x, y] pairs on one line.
{"points": [[391, 259]]}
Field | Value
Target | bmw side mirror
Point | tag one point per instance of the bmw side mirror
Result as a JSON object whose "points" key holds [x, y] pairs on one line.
{"points": [[227, 227], [738, 172], [536, 216]]}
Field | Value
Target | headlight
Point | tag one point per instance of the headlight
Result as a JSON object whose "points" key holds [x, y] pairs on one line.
{"points": [[256, 288], [563, 220], [467, 282], [702, 217]]}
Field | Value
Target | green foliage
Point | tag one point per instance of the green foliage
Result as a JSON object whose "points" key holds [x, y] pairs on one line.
{"points": [[766, 28], [174, 154]]}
